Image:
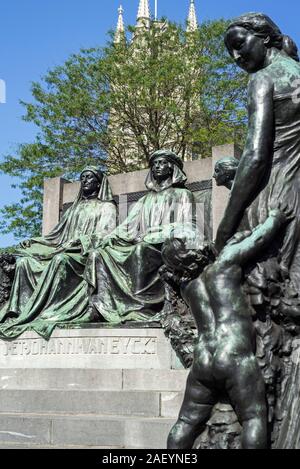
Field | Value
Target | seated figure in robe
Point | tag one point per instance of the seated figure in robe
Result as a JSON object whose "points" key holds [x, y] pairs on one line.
{"points": [[49, 287], [123, 273]]}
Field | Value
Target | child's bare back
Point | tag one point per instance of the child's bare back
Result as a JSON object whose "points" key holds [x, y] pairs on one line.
{"points": [[224, 357], [226, 333]]}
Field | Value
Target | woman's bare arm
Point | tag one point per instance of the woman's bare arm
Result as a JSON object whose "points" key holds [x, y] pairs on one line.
{"points": [[256, 159], [248, 249]]}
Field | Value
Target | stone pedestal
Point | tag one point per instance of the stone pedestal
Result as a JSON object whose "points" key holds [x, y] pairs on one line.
{"points": [[89, 387], [90, 348], [220, 195]]}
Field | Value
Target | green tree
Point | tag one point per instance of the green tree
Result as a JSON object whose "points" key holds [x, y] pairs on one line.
{"points": [[114, 106]]}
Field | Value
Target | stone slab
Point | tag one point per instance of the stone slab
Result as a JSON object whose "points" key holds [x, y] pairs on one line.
{"points": [[59, 378], [30, 430], [90, 432], [154, 380], [126, 403], [90, 348], [52, 202], [147, 434], [220, 195], [171, 403]]}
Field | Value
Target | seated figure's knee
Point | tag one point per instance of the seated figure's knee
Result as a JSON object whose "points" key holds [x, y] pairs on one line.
{"points": [[139, 248], [93, 255], [22, 263], [60, 259]]}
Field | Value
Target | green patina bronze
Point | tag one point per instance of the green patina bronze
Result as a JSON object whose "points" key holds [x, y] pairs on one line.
{"points": [[49, 287], [270, 164], [123, 273], [224, 354]]}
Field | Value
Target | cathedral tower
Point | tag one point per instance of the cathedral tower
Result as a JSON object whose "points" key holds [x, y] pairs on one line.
{"points": [[120, 31], [192, 23], [143, 16]]}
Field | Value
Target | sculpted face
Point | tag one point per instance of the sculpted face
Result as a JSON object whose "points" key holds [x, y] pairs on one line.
{"points": [[220, 176], [161, 169], [248, 51], [89, 183]]}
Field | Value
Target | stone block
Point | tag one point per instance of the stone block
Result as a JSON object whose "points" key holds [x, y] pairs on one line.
{"points": [[52, 203], [220, 195], [89, 348], [29, 430], [88, 431], [66, 379], [146, 404], [171, 403], [147, 434], [198, 170], [154, 380]]}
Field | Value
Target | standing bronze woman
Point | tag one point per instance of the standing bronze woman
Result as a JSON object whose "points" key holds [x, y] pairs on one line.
{"points": [[270, 166], [268, 173]]}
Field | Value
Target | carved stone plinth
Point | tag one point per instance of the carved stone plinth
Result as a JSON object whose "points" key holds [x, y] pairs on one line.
{"points": [[91, 347]]}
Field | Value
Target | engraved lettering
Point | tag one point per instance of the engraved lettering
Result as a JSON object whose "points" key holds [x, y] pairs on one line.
{"points": [[115, 346], [136, 349], [81, 346]]}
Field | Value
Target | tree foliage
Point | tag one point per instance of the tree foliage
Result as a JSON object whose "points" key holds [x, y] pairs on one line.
{"points": [[114, 106]]}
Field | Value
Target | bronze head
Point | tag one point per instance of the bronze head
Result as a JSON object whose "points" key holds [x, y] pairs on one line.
{"points": [[248, 39], [186, 257], [225, 171], [91, 179]]}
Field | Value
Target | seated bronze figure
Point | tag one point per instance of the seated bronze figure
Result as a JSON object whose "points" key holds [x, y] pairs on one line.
{"points": [[123, 273], [48, 286]]}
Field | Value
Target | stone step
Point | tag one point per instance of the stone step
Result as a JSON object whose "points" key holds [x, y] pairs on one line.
{"points": [[96, 379], [52, 431], [57, 447], [155, 380], [85, 402]]}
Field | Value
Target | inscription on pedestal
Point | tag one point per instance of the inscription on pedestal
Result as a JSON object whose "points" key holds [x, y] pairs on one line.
{"points": [[90, 348], [81, 346]]}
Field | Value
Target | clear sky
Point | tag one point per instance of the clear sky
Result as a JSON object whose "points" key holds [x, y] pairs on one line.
{"points": [[36, 35]]}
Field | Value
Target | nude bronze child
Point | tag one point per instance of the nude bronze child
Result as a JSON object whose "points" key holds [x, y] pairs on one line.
{"points": [[224, 356]]}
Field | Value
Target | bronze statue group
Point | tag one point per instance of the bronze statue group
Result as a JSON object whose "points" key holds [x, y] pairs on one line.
{"points": [[90, 268]]}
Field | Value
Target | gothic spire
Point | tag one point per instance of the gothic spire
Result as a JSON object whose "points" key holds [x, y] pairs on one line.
{"points": [[143, 16], [120, 31], [192, 23]]}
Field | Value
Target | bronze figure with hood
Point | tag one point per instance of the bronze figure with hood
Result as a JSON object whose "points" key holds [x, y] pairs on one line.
{"points": [[49, 287], [123, 273]]}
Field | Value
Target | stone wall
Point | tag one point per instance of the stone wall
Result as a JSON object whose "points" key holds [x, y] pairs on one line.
{"points": [[59, 192]]}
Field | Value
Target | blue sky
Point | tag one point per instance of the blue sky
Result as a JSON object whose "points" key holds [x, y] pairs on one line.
{"points": [[36, 35]]}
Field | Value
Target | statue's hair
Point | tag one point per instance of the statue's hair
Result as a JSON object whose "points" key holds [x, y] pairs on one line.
{"points": [[260, 25], [97, 171], [228, 164], [169, 155], [178, 251], [290, 47]]}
